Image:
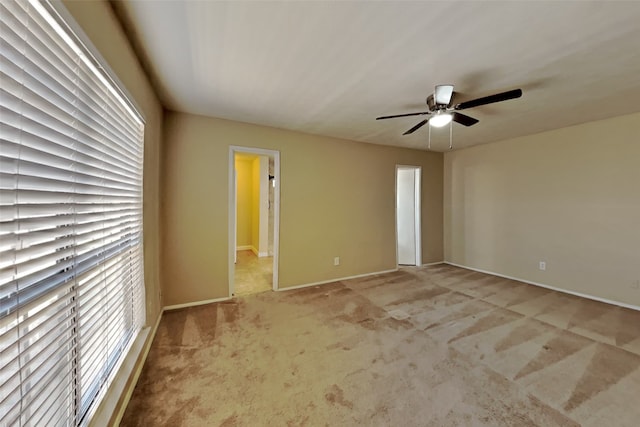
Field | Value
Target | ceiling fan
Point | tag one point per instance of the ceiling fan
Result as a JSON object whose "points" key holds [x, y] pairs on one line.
{"points": [[442, 110]]}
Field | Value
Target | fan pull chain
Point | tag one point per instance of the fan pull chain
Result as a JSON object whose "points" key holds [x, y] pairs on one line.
{"points": [[451, 135], [429, 146]]}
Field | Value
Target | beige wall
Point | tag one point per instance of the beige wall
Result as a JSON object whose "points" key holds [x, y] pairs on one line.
{"points": [[337, 199], [244, 177], [570, 197]]}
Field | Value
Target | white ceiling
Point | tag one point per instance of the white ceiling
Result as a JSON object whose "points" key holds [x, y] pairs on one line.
{"points": [[331, 67]]}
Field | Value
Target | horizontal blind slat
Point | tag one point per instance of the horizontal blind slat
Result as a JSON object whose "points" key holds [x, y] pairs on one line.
{"points": [[69, 174], [52, 220], [36, 135], [55, 155]]}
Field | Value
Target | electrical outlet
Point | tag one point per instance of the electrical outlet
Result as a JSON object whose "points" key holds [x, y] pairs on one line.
{"points": [[635, 285], [542, 265], [336, 261]]}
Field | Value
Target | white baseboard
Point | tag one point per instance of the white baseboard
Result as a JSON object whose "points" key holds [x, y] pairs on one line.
{"points": [[553, 288], [252, 249], [324, 282], [195, 303], [433, 263]]}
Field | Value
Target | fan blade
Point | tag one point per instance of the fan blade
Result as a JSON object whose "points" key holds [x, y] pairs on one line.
{"points": [[416, 127], [403, 115], [463, 119], [498, 97], [443, 94]]}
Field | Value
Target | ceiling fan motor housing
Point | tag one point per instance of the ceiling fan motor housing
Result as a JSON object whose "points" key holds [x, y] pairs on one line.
{"points": [[431, 103]]}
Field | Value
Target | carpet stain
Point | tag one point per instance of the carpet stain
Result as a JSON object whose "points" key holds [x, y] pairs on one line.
{"points": [[607, 367], [231, 421], [367, 323], [335, 396], [347, 343], [362, 312]]}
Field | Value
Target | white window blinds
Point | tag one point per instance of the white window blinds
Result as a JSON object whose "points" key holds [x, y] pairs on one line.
{"points": [[71, 284]]}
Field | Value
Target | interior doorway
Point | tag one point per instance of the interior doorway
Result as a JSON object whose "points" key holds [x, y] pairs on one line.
{"points": [[408, 209], [254, 199]]}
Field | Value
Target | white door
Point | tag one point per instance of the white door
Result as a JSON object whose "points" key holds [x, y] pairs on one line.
{"points": [[263, 240], [408, 215]]}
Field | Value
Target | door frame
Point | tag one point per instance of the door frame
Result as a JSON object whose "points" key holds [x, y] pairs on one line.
{"points": [[233, 149], [417, 213]]}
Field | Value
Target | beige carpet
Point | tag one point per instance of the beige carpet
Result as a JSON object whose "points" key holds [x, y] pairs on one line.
{"points": [[433, 346]]}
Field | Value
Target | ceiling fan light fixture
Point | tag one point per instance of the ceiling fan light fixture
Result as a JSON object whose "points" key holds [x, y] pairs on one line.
{"points": [[440, 120]]}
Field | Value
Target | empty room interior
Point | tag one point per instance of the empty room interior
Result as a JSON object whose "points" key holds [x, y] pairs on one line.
{"points": [[351, 213]]}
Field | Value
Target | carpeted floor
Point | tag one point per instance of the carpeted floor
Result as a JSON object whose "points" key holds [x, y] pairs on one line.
{"points": [[431, 346]]}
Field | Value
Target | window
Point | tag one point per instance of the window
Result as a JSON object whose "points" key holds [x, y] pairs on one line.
{"points": [[71, 282]]}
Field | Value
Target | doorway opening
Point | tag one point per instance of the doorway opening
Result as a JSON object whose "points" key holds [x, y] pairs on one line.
{"points": [[408, 212], [254, 209]]}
